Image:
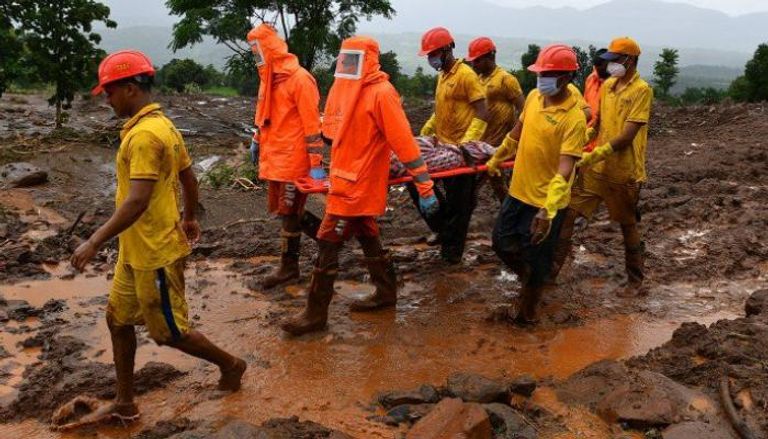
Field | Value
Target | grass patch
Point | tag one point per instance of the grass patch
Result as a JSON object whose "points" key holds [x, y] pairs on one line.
{"points": [[219, 90]]}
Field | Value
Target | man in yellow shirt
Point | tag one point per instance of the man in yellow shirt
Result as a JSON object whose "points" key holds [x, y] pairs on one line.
{"points": [[548, 140], [614, 172], [148, 287], [503, 97], [460, 116]]}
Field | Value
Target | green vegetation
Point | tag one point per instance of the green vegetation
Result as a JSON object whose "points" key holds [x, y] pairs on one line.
{"points": [[527, 79], [753, 86], [665, 72]]}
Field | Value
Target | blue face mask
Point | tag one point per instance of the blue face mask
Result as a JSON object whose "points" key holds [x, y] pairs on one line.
{"points": [[547, 86], [436, 61]]}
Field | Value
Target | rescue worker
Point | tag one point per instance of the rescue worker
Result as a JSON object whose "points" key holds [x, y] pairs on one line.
{"points": [[503, 97], [365, 122], [614, 172], [592, 87], [548, 140], [154, 240], [289, 142], [460, 116]]}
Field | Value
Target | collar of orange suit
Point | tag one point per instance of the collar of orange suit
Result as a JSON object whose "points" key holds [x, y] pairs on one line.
{"points": [[345, 93], [277, 61]]}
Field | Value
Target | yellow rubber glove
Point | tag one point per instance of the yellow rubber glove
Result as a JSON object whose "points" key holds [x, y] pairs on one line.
{"points": [[429, 128], [597, 155], [558, 196], [504, 152], [591, 133], [475, 131]]}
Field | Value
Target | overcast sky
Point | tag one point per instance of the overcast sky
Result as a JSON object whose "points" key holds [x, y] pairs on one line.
{"points": [[733, 7]]}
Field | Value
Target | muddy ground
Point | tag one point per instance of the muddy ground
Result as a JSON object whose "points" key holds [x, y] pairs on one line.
{"points": [[704, 220]]}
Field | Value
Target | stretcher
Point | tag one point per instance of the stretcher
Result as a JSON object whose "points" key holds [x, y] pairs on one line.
{"points": [[309, 185]]}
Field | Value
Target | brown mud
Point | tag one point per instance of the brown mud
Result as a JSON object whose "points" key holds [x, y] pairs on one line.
{"points": [[704, 221]]}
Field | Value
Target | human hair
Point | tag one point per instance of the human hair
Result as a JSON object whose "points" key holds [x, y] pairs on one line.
{"points": [[143, 81]]}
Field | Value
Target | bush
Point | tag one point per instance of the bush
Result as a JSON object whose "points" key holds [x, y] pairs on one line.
{"points": [[183, 74]]}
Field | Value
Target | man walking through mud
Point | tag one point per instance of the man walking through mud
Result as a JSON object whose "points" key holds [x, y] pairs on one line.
{"points": [[549, 139], [148, 286], [614, 172], [460, 116], [290, 147], [504, 99], [365, 122]]}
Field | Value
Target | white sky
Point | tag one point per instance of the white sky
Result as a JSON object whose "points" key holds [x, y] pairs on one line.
{"points": [[733, 7]]}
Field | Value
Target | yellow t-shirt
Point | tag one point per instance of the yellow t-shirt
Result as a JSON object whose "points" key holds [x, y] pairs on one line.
{"points": [[501, 90], [456, 91], [547, 134], [152, 149], [632, 104]]}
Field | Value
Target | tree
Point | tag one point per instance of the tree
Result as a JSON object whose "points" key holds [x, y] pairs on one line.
{"points": [[61, 45], [11, 48], [665, 71], [753, 86], [179, 73], [313, 28], [390, 65], [526, 78], [584, 58]]}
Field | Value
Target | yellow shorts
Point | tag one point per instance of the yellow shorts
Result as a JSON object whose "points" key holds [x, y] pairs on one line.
{"points": [[620, 199], [154, 298]]}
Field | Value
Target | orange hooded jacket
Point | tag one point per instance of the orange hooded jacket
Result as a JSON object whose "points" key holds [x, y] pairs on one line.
{"points": [[592, 96], [366, 121], [287, 109]]}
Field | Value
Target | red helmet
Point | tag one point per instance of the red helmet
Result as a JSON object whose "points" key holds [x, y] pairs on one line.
{"points": [[555, 58], [121, 65], [479, 47], [434, 39]]}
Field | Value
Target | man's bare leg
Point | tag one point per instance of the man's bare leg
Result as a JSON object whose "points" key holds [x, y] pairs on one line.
{"points": [[231, 367]]}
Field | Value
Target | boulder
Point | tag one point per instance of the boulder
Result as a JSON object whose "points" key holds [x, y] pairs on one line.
{"points": [[477, 388], [22, 174], [508, 423], [757, 303], [523, 385], [425, 394], [453, 418], [697, 430]]}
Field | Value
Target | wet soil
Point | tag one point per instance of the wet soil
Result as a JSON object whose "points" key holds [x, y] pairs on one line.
{"points": [[704, 221]]}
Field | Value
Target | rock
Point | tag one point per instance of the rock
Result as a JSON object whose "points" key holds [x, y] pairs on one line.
{"points": [[166, 429], [648, 399], [476, 388], [452, 418], [507, 423], [4, 353], [523, 385], [425, 394], [20, 310], [757, 303], [22, 174], [238, 428], [409, 413], [698, 430]]}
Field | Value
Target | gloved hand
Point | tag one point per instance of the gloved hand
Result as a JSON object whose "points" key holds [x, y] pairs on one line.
{"points": [[429, 127], [590, 134], [475, 131], [504, 152], [254, 151], [429, 205], [597, 155], [558, 196], [316, 170]]}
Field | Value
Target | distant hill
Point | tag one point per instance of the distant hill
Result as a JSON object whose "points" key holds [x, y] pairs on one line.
{"points": [[651, 22]]}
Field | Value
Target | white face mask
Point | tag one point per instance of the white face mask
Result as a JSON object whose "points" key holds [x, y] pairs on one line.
{"points": [[616, 70], [349, 64], [547, 86]]}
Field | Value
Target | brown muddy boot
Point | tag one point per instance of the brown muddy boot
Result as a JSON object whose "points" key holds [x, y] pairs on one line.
{"points": [[384, 277], [635, 266], [289, 262], [315, 315], [529, 302]]}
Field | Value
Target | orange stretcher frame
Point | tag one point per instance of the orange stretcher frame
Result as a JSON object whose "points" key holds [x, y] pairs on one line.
{"points": [[309, 185]]}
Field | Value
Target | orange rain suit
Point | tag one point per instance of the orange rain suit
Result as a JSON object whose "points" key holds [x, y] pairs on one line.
{"points": [[592, 95]]}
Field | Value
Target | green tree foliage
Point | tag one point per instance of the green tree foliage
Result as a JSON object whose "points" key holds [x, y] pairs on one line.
{"points": [[584, 58], [665, 71], [702, 96], [11, 47], [753, 86], [526, 78], [390, 66], [419, 85], [179, 73], [62, 45], [313, 28]]}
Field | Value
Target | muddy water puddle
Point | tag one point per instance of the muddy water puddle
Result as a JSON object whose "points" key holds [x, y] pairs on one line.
{"points": [[331, 377]]}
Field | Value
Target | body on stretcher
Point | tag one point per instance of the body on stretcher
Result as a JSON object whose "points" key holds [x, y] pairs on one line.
{"points": [[309, 185]]}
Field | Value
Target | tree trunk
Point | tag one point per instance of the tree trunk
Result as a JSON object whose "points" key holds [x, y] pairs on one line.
{"points": [[58, 114]]}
